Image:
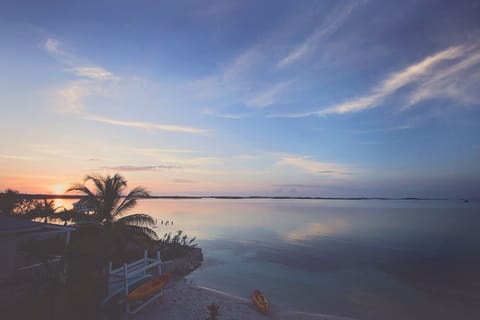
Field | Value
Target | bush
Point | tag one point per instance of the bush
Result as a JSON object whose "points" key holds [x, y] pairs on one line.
{"points": [[172, 247]]}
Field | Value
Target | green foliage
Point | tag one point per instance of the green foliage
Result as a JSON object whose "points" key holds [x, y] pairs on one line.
{"points": [[213, 311], [172, 247]]}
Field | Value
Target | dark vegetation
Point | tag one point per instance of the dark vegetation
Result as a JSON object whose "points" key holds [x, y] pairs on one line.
{"points": [[176, 246], [104, 233], [213, 311], [13, 204]]}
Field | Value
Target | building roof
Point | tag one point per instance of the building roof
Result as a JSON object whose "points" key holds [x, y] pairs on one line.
{"points": [[9, 225]]}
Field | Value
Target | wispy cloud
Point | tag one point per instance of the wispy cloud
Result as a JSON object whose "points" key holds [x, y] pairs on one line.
{"points": [[212, 113], [138, 168], [459, 82], [294, 185], [414, 73], [17, 157], [182, 181], [96, 73], [95, 81], [330, 25], [71, 97], [387, 129], [268, 97], [157, 151], [52, 46], [394, 82], [313, 166], [146, 125], [241, 65]]}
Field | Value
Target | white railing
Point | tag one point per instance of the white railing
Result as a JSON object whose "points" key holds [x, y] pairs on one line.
{"points": [[121, 278]]}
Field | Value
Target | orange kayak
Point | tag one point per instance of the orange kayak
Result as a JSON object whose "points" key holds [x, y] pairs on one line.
{"points": [[149, 288], [260, 301]]}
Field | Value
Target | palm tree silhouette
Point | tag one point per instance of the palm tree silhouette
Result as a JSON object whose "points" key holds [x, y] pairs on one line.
{"points": [[107, 218]]}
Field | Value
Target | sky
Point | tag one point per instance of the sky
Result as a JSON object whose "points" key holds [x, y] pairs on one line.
{"points": [[346, 98]]}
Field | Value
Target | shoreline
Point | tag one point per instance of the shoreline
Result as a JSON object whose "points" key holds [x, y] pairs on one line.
{"points": [[74, 197], [182, 300]]}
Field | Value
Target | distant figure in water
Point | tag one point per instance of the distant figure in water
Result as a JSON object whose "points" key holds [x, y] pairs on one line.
{"points": [[166, 223], [162, 222]]}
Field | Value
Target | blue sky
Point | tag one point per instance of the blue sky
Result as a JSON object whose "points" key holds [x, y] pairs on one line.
{"points": [[320, 98]]}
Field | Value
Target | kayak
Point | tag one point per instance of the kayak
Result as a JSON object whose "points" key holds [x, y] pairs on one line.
{"points": [[148, 288], [260, 301]]}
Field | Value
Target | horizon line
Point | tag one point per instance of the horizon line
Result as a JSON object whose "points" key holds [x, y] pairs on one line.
{"points": [[73, 196]]}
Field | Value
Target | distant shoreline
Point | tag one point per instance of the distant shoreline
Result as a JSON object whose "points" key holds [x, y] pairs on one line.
{"points": [[68, 196]]}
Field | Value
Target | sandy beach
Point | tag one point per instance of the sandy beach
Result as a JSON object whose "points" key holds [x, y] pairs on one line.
{"points": [[183, 300]]}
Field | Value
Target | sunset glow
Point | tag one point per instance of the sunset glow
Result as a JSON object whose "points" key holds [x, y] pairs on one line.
{"points": [[329, 103]]}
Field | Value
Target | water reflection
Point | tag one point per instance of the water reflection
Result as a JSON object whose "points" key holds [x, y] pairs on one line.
{"points": [[365, 259], [317, 230]]}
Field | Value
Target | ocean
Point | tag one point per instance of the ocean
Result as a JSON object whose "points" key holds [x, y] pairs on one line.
{"points": [[359, 259]]}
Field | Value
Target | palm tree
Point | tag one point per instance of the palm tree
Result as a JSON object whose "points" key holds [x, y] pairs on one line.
{"points": [[12, 203], [108, 219], [43, 210]]}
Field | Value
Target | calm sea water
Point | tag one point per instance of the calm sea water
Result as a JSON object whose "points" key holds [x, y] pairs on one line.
{"points": [[367, 259]]}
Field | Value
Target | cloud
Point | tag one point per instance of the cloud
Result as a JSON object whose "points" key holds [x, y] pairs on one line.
{"points": [[156, 151], [200, 161], [96, 73], [293, 185], [70, 97], [230, 82], [212, 113], [267, 97], [146, 125], [313, 167], [242, 64], [182, 181], [17, 157], [387, 129], [459, 82], [330, 25], [138, 168], [52, 46], [394, 82], [95, 81], [415, 73]]}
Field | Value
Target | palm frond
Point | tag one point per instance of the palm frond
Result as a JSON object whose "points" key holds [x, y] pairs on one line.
{"points": [[81, 188], [139, 231], [139, 219], [130, 200], [98, 181]]}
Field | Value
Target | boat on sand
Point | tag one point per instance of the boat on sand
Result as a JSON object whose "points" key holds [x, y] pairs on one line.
{"points": [[260, 301], [148, 288]]}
